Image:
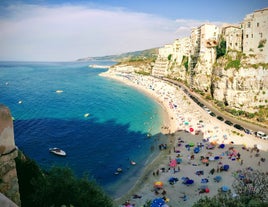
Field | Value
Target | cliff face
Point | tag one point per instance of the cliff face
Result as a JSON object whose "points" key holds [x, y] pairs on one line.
{"points": [[245, 89], [8, 152]]}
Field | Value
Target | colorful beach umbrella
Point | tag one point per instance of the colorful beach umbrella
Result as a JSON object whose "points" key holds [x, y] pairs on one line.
{"points": [[191, 129], [158, 184]]}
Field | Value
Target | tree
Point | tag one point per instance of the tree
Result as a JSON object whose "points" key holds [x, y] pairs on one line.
{"points": [[221, 48], [56, 187]]}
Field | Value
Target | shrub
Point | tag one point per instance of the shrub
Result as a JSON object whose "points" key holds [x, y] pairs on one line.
{"points": [[233, 64]]}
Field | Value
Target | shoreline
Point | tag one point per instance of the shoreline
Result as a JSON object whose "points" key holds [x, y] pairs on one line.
{"points": [[185, 119], [167, 116]]}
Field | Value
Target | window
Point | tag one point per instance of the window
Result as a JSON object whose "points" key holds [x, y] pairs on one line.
{"points": [[260, 35], [247, 36], [258, 24], [248, 24], [251, 35]]}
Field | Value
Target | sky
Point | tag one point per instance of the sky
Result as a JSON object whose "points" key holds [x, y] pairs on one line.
{"points": [[66, 30]]}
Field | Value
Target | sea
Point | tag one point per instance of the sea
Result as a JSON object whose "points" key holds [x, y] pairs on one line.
{"points": [[100, 123]]}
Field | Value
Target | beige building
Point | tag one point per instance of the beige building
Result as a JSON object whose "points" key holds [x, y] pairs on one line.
{"points": [[233, 36], [255, 34]]}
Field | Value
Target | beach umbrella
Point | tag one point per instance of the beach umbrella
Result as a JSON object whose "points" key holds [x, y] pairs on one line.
{"points": [[158, 202], [178, 160], [211, 158], [222, 146], [189, 182], [225, 188], [205, 161], [173, 180], [226, 167], [191, 144], [158, 184], [204, 180], [196, 150], [216, 157], [173, 163], [186, 123], [191, 129], [217, 178]]}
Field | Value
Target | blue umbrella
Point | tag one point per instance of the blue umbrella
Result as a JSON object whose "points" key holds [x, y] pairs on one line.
{"points": [[226, 167], [196, 150], [225, 188], [222, 146], [217, 178], [179, 160], [158, 202]]}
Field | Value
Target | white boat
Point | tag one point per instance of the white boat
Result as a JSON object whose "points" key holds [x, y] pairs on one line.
{"points": [[59, 91], [57, 151]]}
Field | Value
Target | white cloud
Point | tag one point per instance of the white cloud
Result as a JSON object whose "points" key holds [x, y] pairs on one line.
{"points": [[30, 32]]}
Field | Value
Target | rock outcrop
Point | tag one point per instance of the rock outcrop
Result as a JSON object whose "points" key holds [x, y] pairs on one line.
{"points": [[8, 152]]}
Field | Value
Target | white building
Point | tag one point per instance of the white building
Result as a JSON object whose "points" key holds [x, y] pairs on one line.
{"points": [[255, 34], [181, 47], [203, 41], [165, 51]]}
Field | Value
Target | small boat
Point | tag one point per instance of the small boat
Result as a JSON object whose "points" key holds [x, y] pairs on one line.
{"points": [[118, 171], [57, 151], [59, 91], [86, 115], [132, 162]]}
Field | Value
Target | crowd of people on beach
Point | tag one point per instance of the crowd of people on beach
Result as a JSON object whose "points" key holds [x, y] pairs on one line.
{"points": [[204, 154]]}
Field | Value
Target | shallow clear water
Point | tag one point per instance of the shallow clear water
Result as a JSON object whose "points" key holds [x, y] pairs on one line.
{"points": [[114, 133]]}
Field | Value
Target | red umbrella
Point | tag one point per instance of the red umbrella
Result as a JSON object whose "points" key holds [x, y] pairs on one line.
{"points": [[191, 129]]}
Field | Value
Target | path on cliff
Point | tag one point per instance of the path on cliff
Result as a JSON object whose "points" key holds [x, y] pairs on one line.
{"points": [[215, 110]]}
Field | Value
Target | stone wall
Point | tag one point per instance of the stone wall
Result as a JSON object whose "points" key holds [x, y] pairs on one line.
{"points": [[8, 152]]}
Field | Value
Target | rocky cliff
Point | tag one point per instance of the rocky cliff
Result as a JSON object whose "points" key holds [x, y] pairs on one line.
{"points": [[241, 82], [8, 152]]}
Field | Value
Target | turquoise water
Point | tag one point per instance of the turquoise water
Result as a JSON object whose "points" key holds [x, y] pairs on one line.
{"points": [[114, 133]]}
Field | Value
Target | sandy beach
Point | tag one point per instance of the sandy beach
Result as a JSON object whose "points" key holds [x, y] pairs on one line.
{"points": [[201, 148]]}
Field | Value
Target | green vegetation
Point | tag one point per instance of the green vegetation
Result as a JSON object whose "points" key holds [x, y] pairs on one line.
{"points": [[233, 64], [143, 72], [252, 191], [56, 187], [169, 57], [221, 48], [185, 62], [262, 43]]}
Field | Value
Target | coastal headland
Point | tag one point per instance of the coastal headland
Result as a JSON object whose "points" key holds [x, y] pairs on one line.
{"points": [[199, 147]]}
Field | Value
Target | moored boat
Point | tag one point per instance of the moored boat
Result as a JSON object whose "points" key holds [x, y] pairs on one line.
{"points": [[57, 151]]}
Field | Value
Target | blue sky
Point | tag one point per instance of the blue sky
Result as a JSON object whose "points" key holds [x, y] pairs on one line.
{"points": [[47, 30]]}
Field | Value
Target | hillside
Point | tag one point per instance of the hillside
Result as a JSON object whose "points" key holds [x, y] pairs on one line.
{"points": [[136, 55]]}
